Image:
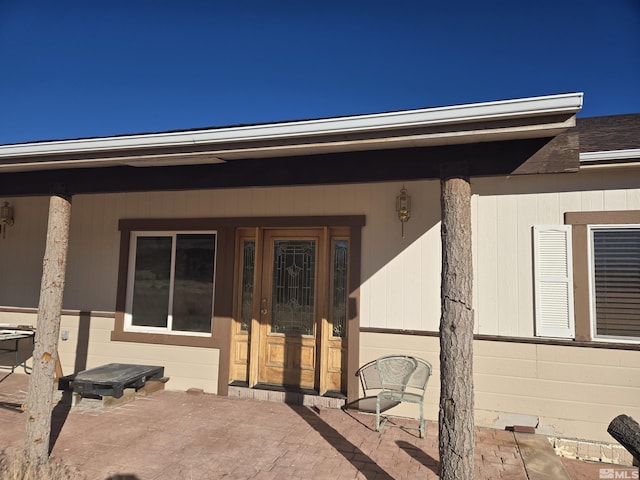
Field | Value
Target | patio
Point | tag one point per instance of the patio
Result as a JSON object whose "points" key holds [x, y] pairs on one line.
{"points": [[168, 435]]}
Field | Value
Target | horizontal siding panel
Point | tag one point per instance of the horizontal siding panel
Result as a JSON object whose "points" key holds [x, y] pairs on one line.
{"points": [[187, 367], [583, 422], [139, 353], [588, 356], [600, 376], [176, 368], [507, 403], [505, 351], [542, 390], [154, 353], [554, 399], [508, 367]]}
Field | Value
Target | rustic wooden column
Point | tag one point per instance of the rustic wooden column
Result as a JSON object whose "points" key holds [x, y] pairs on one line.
{"points": [[456, 436], [41, 383]]}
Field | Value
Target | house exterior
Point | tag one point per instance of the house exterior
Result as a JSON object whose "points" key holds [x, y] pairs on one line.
{"points": [[273, 254]]}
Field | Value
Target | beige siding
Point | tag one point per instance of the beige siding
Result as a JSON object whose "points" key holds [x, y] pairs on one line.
{"points": [[486, 246], [186, 367], [574, 392], [89, 346], [571, 389], [400, 276], [92, 267], [505, 210], [21, 253], [526, 218]]}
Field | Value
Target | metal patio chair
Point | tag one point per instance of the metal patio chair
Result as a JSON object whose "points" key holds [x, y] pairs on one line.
{"points": [[402, 378]]}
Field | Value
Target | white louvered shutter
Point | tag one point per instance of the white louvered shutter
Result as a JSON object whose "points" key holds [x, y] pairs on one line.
{"points": [[553, 273]]}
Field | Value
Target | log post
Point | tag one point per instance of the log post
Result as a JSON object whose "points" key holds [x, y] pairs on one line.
{"points": [[456, 420], [627, 432], [45, 354]]}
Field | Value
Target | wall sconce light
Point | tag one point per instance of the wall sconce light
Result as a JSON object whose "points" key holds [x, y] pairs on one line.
{"points": [[6, 218], [403, 207]]}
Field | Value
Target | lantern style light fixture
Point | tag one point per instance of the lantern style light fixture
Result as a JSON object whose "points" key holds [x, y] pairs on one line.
{"points": [[403, 207], [6, 218]]}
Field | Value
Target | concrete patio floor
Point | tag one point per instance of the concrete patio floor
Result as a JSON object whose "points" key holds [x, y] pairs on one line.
{"points": [[169, 435]]}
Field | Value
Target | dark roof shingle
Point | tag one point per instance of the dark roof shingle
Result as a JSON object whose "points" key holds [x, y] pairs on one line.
{"points": [[616, 132]]}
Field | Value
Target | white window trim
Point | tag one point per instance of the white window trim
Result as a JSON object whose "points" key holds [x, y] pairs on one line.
{"points": [[128, 317], [592, 298]]}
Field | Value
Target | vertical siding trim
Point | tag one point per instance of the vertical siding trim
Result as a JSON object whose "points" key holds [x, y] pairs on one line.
{"points": [[581, 299]]}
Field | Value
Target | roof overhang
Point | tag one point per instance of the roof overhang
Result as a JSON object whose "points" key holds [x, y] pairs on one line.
{"points": [[526, 118]]}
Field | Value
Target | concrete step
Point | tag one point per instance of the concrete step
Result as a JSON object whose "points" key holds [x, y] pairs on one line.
{"points": [[283, 396], [540, 460]]}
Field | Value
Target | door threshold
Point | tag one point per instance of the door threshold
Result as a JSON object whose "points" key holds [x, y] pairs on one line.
{"points": [[285, 388], [286, 394]]}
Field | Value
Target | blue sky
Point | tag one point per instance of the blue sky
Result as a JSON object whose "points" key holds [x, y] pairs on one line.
{"points": [[81, 69]]}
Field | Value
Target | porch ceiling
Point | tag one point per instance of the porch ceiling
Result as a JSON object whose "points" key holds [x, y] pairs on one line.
{"points": [[495, 137]]}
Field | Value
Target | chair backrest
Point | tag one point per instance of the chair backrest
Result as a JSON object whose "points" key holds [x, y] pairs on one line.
{"points": [[369, 377], [421, 375], [395, 371]]}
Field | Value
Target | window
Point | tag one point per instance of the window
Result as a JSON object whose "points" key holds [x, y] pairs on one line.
{"points": [[615, 281], [171, 282], [339, 279], [248, 268]]}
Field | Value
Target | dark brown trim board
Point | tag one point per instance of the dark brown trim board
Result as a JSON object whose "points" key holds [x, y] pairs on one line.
{"points": [[580, 247], [506, 339], [77, 313], [213, 223]]}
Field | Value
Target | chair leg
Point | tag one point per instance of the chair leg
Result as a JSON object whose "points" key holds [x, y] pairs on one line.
{"points": [[378, 414], [422, 422]]}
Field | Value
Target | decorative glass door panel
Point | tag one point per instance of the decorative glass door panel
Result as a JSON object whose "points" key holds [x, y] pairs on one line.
{"points": [[293, 287]]}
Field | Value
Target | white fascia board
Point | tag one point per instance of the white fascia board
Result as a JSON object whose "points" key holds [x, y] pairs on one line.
{"points": [[609, 155], [488, 111]]}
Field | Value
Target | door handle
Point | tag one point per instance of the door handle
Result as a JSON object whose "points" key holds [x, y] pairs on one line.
{"points": [[263, 308]]}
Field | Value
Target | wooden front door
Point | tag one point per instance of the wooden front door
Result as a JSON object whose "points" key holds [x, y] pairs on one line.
{"points": [[291, 308]]}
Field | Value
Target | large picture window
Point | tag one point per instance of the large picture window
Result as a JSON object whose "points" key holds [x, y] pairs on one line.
{"points": [[170, 286], [615, 281]]}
